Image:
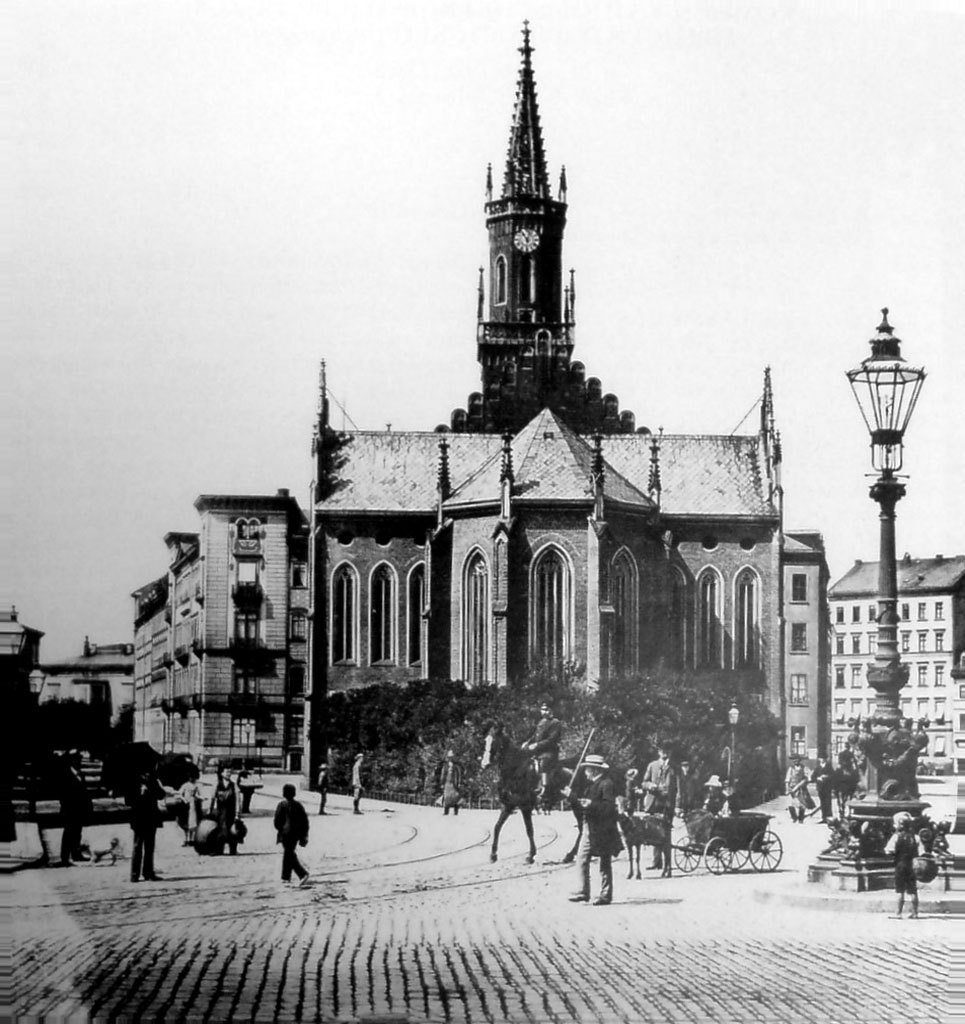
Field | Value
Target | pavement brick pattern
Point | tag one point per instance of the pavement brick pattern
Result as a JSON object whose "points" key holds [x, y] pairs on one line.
{"points": [[405, 919]]}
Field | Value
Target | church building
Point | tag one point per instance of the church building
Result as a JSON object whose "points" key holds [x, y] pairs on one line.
{"points": [[541, 530]]}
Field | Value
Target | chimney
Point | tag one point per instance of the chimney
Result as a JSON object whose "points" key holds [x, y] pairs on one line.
{"points": [[282, 492], [939, 558]]}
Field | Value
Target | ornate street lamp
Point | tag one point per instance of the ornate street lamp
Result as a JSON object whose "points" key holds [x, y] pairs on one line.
{"points": [[886, 389], [733, 717]]}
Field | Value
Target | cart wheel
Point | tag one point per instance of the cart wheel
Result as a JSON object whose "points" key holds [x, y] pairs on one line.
{"points": [[739, 859], [716, 856], [766, 851], [687, 858]]}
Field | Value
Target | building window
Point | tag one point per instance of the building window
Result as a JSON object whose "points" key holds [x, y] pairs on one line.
{"points": [[247, 572], [246, 628], [939, 747], [295, 731], [922, 611], [550, 611], [939, 675], [798, 741], [939, 611], [855, 708], [923, 640], [799, 688], [747, 630], [475, 625], [242, 732], [922, 707], [243, 682], [855, 676], [415, 606], [248, 529], [839, 677], [939, 640], [299, 574], [799, 587], [799, 637], [298, 626], [344, 615], [382, 617], [708, 624], [500, 281], [855, 643], [839, 710], [906, 612], [839, 613], [905, 642], [940, 710], [922, 675], [872, 613], [296, 680], [623, 594], [856, 613], [839, 644], [872, 643], [679, 608]]}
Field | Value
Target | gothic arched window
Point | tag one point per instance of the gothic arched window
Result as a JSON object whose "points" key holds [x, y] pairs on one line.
{"points": [[708, 620], [344, 614], [475, 620], [382, 619], [499, 281], [550, 611], [746, 626], [679, 616], [415, 603], [623, 597]]}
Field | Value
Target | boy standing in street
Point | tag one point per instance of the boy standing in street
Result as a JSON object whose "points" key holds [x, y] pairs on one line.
{"points": [[903, 845], [291, 824]]}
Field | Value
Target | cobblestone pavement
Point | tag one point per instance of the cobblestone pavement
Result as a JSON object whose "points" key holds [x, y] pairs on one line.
{"points": [[406, 919]]}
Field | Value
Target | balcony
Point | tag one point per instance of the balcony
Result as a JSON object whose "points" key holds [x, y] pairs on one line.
{"points": [[247, 595]]}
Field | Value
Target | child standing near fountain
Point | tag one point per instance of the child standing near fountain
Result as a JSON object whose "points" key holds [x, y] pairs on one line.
{"points": [[903, 845]]}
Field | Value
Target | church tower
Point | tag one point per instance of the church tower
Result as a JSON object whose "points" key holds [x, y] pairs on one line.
{"points": [[525, 329]]}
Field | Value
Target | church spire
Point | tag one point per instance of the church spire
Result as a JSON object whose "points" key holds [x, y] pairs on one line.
{"points": [[525, 161]]}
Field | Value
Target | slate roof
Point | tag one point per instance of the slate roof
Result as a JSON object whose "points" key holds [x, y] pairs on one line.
{"points": [[915, 575], [550, 463], [392, 472], [700, 474]]}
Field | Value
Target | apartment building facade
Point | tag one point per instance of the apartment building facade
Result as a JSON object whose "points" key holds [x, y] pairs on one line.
{"points": [[221, 640], [931, 637]]}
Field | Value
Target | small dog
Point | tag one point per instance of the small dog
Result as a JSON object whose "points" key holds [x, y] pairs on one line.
{"points": [[110, 853]]}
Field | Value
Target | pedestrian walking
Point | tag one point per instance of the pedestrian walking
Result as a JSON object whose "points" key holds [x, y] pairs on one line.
{"points": [[450, 784], [76, 808], [145, 819], [823, 778], [322, 787], [190, 795], [659, 785], [291, 827], [798, 796], [600, 836], [544, 745], [903, 846], [357, 782], [224, 809], [688, 790]]}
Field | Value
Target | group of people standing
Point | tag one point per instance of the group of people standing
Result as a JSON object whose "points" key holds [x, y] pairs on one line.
{"points": [[800, 802]]}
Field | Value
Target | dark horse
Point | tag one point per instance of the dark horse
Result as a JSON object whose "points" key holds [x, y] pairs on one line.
{"points": [[517, 784]]}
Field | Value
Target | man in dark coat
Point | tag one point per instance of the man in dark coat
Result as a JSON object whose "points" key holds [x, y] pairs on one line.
{"points": [[544, 745], [75, 810], [659, 785], [689, 796], [291, 825], [600, 836], [145, 818], [823, 777]]}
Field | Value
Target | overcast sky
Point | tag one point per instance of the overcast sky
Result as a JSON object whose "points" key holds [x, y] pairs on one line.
{"points": [[210, 197]]}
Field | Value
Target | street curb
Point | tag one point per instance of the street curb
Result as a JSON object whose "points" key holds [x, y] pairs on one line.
{"points": [[872, 903]]}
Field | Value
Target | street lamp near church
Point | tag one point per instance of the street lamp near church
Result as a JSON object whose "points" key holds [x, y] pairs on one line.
{"points": [[733, 716], [886, 389]]}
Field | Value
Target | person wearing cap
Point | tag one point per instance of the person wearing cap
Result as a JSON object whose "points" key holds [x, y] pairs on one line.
{"points": [[224, 810], [659, 785], [544, 745], [823, 777], [600, 836], [357, 782], [799, 800], [903, 846]]}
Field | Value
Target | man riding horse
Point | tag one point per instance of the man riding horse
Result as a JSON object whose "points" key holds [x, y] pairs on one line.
{"points": [[544, 745]]}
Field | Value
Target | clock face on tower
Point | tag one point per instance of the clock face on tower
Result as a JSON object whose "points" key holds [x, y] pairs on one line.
{"points": [[526, 239]]}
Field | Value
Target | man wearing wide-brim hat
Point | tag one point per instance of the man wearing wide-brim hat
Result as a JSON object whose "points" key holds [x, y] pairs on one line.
{"points": [[600, 837]]}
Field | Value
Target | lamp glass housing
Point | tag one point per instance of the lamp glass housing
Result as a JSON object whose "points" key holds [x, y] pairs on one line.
{"points": [[734, 714]]}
